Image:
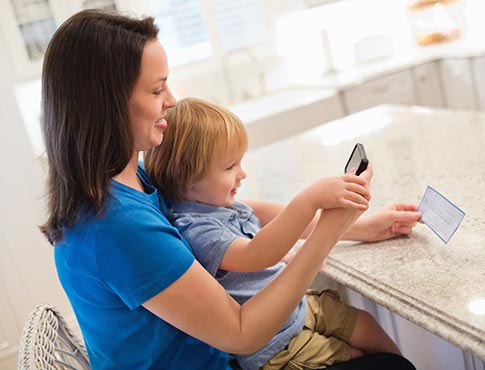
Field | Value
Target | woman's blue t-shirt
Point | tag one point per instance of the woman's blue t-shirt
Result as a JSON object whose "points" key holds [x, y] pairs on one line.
{"points": [[110, 265]]}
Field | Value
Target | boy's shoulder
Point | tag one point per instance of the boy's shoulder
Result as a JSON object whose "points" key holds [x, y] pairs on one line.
{"points": [[241, 206], [194, 209]]}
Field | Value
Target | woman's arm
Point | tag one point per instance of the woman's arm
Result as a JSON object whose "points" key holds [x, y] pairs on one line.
{"points": [[389, 222], [198, 305], [277, 237], [265, 210], [394, 220]]}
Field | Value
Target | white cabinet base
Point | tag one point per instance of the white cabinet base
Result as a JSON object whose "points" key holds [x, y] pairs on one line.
{"points": [[424, 349], [458, 86], [395, 88], [427, 85], [478, 66]]}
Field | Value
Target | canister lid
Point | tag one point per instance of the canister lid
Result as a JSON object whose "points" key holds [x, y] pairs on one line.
{"points": [[418, 5]]}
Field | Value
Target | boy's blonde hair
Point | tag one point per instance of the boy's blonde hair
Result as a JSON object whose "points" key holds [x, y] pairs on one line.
{"points": [[197, 131]]}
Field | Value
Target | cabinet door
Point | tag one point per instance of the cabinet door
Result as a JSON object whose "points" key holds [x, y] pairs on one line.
{"points": [[280, 115], [424, 349], [27, 27], [427, 85], [479, 78], [458, 86], [396, 88]]}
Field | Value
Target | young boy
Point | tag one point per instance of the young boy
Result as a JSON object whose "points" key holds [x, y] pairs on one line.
{"points": [[198, 168]]}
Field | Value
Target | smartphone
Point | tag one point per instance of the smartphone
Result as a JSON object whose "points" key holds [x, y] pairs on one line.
{"points": [[358, 159]]}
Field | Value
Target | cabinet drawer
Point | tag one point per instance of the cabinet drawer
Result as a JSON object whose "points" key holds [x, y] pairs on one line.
{"points": [[396, 88], [427, 85], [458, 86], [478, 65]]}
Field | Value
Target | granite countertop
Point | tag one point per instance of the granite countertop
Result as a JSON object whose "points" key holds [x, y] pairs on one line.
{"points": [[435, 285]]}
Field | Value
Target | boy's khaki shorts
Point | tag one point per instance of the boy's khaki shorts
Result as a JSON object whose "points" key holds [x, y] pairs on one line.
{"points": [[323, 340]]}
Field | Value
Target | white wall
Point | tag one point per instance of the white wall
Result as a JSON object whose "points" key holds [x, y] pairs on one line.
{"points": [[27, 273]]}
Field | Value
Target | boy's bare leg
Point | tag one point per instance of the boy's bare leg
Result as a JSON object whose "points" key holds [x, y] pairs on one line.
{"points": [[370, 337], [356, 353]]}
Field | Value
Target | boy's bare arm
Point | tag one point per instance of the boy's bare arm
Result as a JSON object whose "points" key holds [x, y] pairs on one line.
{"points": [[266, 211], [272, 242], [277, 237]]}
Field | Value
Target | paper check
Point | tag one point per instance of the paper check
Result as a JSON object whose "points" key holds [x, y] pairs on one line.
{"points": [[441, 216]]}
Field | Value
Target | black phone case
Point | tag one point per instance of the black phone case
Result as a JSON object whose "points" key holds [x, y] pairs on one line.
{"points": [[363, 159]]}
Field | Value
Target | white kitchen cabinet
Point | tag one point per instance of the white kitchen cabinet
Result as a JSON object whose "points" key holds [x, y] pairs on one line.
{"points": [[424, 349], [458, 84], [478, 67], [28, 25], [395, 88], [427, 85], [280, 115]]}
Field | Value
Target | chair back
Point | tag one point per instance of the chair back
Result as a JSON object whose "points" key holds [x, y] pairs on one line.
{"points": [[47, 343]]}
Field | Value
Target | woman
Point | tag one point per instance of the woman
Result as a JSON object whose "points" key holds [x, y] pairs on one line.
{"points": [[140, 297]]}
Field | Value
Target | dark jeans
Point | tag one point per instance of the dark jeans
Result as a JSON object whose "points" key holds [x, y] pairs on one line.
{"points": [[378, 361]]}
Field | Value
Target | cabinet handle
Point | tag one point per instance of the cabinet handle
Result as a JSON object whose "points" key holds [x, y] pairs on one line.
{"points": [[380, 90]]}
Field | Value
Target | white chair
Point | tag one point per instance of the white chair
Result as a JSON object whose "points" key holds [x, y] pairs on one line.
{"points": [[47, 343]]}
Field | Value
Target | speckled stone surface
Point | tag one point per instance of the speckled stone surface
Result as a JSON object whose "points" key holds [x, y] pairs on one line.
{"points": [[418, 277]]}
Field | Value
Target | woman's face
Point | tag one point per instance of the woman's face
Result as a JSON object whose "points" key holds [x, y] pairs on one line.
{"points": [[151, 98]]}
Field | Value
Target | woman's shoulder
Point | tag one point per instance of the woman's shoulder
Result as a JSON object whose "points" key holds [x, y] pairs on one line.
{"points": [[131, 212]]}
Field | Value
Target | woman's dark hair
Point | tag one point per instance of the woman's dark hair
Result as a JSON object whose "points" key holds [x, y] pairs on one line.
{"points": [[90, 69]]}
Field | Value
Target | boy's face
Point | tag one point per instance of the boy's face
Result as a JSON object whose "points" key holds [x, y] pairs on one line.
{"points": [[219, 186]]}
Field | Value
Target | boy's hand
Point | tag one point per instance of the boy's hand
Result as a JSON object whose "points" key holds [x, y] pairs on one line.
{"points": [[347, 191]]}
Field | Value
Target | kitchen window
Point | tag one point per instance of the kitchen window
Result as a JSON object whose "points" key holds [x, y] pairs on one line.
{"points": [[193, 30]]}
